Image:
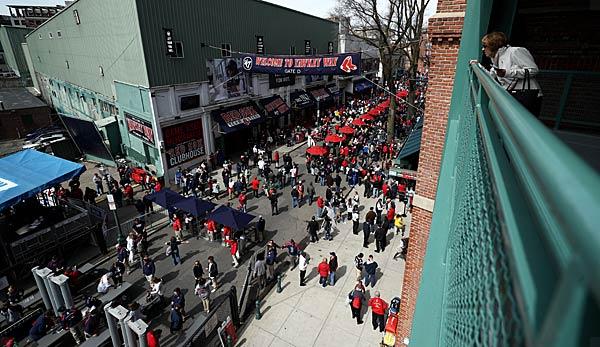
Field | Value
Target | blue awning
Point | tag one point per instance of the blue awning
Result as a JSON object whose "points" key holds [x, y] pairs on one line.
{"points": [[362, 86], [26, 173], [413, 143]]}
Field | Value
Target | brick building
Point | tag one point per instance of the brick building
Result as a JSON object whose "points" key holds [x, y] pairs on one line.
{"points": [[561, 37]]}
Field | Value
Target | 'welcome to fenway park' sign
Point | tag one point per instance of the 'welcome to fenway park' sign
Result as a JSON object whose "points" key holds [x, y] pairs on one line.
{"points": [[333, 64]]}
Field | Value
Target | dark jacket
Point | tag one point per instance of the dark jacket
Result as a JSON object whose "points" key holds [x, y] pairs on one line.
{"points": [[149, 268], [366, 228], [198, 271], [370, 216], [176, 320], [39, 328], [380, 233], [313, 226], [370, 268], [333, 264]]}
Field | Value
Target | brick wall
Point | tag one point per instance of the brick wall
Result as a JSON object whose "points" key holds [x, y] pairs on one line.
{"points": [[444, 31]]}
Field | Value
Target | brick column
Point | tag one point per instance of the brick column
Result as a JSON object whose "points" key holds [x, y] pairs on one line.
{"points": [[445, 28]]}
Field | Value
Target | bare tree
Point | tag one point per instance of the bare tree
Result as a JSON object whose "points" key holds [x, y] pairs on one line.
{"points": [[394, 28]]}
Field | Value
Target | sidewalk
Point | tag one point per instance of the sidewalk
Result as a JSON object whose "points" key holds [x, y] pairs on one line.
{"points": [[316, 316]]}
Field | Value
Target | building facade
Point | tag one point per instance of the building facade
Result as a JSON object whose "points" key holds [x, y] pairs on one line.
{"points": [[156, 77], [11, 39], [31, 16]]}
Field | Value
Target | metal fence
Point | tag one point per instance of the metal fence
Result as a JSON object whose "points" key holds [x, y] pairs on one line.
{"points": [[512, 257], [204, 333], [154, 220]]}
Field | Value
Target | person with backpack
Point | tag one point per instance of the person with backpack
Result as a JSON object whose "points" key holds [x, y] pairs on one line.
{"points": [[356, 298], [293, 251], [370, 270], [358, 265], [203, 292], [69, 320]]}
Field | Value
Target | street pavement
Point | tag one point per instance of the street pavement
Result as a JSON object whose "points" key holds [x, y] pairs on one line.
{"points": [[317, 316], [299, 316]]}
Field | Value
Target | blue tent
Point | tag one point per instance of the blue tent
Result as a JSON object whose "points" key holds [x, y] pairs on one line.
{"points": [[165, 198], [197, 207], [230, 217], [26, 173]]}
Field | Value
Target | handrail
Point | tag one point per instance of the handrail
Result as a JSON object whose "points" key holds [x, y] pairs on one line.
{"points": [[548, 168]]}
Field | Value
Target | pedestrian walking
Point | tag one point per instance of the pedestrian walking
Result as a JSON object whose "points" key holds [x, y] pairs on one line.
{"points": [[370, 271], [260, 270], [366, 234], [98, 181], [148, 269], [255, 184], [355, 220], [176, 320], [273, 199], [198, 271], [370, 219], [178, 299], [356, 298], [378, 307], [295, 195], [380, 238], [233, 244], [202, 290], [358, 265], [293, 252], [323, 270], [260, 229], [399, 224], [310, 191], [320, 206], [333, 266], [173, 249], [213, 272], [312, 228], [271, 258], [177, 227], [302, 266]]}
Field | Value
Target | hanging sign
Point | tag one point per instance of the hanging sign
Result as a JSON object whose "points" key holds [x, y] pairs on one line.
{"points": [[260, 44], [183, 142], [307, 47], [140, 128], [169, 42], [336, 64]]}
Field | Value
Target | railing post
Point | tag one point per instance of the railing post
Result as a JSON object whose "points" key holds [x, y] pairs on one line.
{"points": [[563, 100]]}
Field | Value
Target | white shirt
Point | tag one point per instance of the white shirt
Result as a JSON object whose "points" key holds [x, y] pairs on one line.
{"points": [[261, 164], [302, 263], [515, 60]]}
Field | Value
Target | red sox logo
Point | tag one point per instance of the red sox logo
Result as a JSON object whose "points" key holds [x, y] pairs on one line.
{"points": [[347, 65]]}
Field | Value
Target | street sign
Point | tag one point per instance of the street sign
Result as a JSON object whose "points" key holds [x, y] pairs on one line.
{"points": [[111, 202]]}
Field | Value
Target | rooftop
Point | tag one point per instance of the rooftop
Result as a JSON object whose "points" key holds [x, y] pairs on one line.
{"points": [[18, 99]]}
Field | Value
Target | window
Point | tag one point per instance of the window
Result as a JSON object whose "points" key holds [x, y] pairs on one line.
{"points": [[292, 50], [178, 49], [59, 34], [189, 102], [40, 36], [76, 16], [225, 50], [49, 35]]}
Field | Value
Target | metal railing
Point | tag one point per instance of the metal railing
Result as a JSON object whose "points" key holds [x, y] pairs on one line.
{"points": [[512, 257]]}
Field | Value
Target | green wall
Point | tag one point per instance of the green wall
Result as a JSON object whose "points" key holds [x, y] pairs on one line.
{"points": [[11, 39], [108, 36], [222, 21]]}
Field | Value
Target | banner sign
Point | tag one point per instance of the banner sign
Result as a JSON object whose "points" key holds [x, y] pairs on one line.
{"points": [[183, 142], [260, 45], [275, 106], [237, 117], [277, 80], [336, 64], [140, 128]]}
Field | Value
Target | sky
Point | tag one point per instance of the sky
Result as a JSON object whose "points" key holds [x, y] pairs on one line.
{"points": [[319, 8]]}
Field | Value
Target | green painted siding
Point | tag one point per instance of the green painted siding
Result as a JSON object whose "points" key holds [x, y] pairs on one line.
{"points": [[11, 39], [108, 36], [221, 21]]}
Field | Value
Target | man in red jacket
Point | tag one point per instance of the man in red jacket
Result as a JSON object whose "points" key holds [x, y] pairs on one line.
{"points": [[323, 269], [242, 199], [320, 206], [378, 306], [255, 185]]}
